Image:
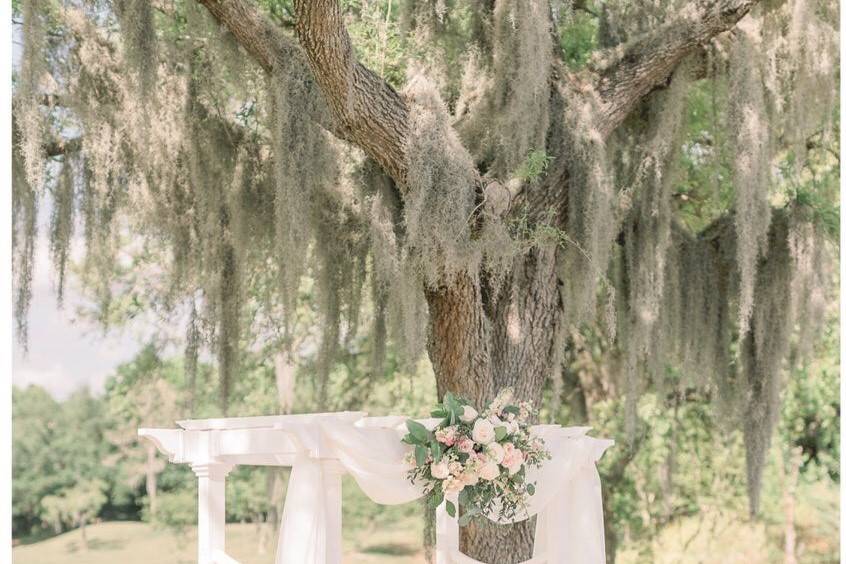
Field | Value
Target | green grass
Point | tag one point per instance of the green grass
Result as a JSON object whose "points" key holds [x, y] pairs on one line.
{"points": [[140, 543]]}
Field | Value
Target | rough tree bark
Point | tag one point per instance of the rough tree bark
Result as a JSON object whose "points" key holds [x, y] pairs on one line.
{"points": [[150, 471], [479, 341]]}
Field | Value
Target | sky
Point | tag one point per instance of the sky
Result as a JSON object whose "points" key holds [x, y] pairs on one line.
{"points": [[67, 353]]}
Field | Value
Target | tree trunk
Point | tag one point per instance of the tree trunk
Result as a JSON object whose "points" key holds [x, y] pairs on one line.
{"points": [[83, 536], [264, 529], [792, 478], [150, 471], [574, 395], [481, 341], [285, 371]]}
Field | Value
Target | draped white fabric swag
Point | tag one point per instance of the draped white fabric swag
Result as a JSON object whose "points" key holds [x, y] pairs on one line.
{"points": [[567, 500]]}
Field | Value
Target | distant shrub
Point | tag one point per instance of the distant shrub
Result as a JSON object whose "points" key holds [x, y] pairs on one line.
{"points": [[174, 511]]}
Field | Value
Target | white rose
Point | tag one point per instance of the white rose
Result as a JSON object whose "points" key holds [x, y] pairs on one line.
{"points": [[470, 478], [440, 470], [469, 414], [511, 427], [495, 451], [483, 431], [489, 470]]}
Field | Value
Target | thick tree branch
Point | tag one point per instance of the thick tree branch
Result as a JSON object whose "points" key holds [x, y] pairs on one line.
{"points": [[270, 48], [369, 112], [641, 65], [59, 147], [252, 31], [360, 107]]}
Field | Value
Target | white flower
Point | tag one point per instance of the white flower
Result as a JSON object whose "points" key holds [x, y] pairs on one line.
{"points": [[455, 468], [440, 470], [511, 427], [483, 431], [469, 478], [525, 410], [495, 451], [489, 470], [469, 414], [453, 485]]}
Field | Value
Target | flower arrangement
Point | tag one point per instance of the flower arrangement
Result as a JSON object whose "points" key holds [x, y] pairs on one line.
{"points": [[480, 457]]}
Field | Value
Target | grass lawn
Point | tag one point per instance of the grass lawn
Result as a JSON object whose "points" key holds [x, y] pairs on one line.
{"points": [[139, 543]]}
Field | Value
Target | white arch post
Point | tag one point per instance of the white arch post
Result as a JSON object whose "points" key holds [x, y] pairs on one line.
{"points": [[213, 447]]}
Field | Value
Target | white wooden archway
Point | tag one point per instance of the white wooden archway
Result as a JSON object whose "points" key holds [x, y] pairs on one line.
{"points": [[311, 531]]}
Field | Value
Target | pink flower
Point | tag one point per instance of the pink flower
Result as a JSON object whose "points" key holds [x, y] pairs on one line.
{"points": [[465, 444], [446, 435], [513, 458]]}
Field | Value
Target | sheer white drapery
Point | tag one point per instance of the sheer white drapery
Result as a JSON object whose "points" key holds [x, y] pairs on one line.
{"points": [[567, 500], [322, 447]]}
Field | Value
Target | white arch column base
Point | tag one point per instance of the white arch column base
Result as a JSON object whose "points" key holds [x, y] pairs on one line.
{"points": [[211, 511]]}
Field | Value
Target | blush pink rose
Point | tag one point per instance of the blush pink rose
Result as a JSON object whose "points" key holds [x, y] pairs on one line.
{"points": [[446, 436], [466, 444], [513, 458]]}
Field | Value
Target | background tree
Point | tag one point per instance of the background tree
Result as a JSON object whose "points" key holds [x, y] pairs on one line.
{"points": [[141, 396], [534, 174], [75, 506], [55, 446]]}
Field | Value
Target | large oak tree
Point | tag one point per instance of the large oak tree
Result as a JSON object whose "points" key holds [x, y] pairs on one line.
{"points": [[491, 193]]}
